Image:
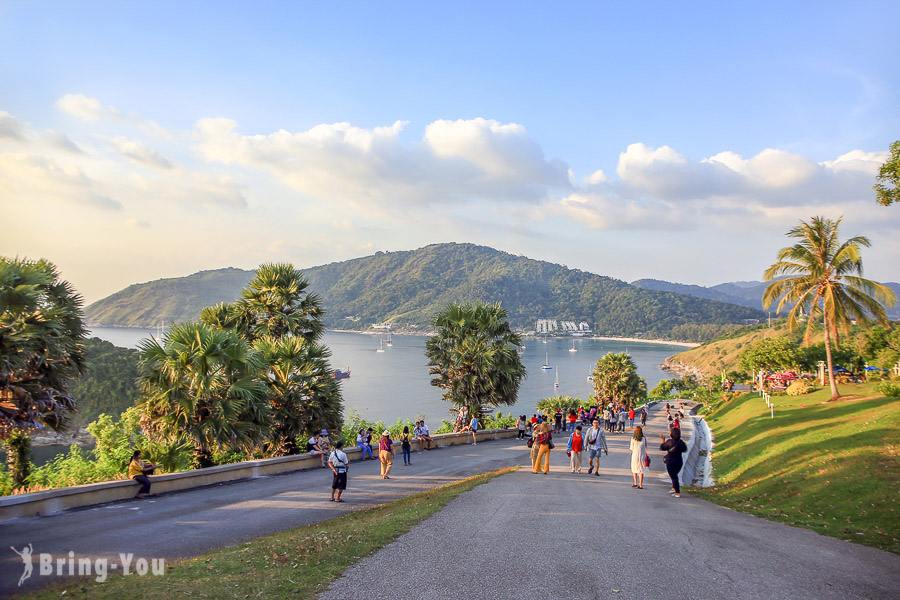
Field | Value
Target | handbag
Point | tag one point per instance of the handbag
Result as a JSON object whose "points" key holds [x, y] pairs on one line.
{"points": [[647, 460]]}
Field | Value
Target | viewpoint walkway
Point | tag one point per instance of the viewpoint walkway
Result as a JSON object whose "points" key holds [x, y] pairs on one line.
{"points": [[546, 536]]}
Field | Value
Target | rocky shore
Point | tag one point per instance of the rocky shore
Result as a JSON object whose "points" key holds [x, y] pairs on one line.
{"points": [[681, 369]]}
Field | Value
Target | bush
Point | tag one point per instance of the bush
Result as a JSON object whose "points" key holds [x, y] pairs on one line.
{"points": [[800, 387], [563, 403], [892, 390]]}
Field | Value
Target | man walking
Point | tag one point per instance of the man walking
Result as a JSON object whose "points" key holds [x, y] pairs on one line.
{"points": [[339, 464], [596, 441]]}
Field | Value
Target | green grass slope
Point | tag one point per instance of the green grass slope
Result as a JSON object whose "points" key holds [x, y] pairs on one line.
{"points": [[831, 467]]}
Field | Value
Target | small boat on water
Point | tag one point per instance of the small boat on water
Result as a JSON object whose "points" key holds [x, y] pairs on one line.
{"points": [[546, 366], [389, 341], [572, 349], [381, 347], [556, 383], [338, 374]]}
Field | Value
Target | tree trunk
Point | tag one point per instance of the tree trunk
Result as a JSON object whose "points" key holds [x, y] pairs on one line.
{"points": [[834, 391], [18, 457]]}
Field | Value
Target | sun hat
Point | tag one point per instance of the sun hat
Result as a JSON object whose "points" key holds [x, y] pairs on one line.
{"points": [[324, 432], [386, 432]]}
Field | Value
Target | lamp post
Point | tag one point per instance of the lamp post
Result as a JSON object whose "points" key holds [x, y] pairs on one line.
{"points": [[822, 373]]}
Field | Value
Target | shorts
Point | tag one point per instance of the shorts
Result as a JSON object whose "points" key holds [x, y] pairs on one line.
{"points": [[594, 452], [339, 482]]}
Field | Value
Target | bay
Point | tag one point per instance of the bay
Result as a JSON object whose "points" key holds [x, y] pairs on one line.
{"points": [[395, 383]]}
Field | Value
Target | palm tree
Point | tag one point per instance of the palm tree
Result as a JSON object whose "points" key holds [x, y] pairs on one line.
{"points": [[825, 280], [41, 352], [616, 379], [202, 385], [303, 394], [473, 356]]}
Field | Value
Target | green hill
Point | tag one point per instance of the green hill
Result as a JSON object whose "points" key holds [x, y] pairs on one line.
{"points": [[408, 288]]}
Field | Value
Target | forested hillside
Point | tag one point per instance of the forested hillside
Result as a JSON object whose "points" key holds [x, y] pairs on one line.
{"points": [[108, 385], [408, 288]]}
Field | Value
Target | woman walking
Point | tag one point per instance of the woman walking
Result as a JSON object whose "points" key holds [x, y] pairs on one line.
{"points": [[638, 457], [386, 453], [543, 441], [406, 446], [674, 448], [575, 448]]}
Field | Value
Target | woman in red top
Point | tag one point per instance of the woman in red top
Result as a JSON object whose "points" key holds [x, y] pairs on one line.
{"points": [[576, 447], [572, 419]]}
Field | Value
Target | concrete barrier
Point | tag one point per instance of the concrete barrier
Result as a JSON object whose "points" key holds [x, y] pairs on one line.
{"points": [[52, 501], [697, 469]]}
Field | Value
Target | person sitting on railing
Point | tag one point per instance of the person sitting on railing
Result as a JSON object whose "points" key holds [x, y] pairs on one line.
{"points": [[314, 447], [138, 470], [421, 433], [361, 442]]}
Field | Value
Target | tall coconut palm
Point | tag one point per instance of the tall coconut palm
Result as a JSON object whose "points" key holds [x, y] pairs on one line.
{"points": [[473, 356], [616, 379], [202, 385], [303, 394], [824, 281]]}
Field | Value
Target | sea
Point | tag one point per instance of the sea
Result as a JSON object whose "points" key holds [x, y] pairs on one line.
{"points": [[395, 384]]}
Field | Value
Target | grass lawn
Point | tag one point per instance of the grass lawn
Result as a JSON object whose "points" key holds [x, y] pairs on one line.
{"points": [[298, 563], [831, 467]]}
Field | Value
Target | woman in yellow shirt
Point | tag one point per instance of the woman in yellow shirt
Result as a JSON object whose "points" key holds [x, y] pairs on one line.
{"points": [[138, 470]]}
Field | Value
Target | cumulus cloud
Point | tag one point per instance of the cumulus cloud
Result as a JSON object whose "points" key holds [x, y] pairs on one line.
{"points": [[85, 108], [458, 160], [33, 179], [140, 154], [10, 127]]}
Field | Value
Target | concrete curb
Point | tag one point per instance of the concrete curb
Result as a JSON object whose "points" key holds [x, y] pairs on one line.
{"points": [[53, 501]]}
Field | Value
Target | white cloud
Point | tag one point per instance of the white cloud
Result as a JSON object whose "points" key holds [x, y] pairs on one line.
{"points": [[85, 108], [137, 223], [10, 127], [33, 179], [140, 154]]}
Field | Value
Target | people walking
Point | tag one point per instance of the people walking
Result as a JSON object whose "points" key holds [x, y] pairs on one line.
{"points": [[631, 418], [572, 419], [611, 420], [623, 416], [522, 425], [674, 447], [339, 464], [638, 447], [596, 441], [544, 442], [575, 448], [386, 454], [406, 446], [643, 417], [557, 421], [473, 426]]}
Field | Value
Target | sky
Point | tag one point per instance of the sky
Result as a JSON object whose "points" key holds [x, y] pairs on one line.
{"points": [[675, 141]]}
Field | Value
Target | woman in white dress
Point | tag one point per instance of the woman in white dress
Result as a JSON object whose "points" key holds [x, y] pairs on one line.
{"points": [[638, 456]]}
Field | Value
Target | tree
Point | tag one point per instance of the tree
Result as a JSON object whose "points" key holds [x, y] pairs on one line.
{"points": [[41, 351], [616, 379], [824, 280], [282, 321], [562, 403], [890, 174], [473, 356], [770, 354], [205, 386]]}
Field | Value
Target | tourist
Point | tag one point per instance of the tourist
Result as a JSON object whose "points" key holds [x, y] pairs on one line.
{"points": [[676, 423], [596, 441], [426, 435], [370, 433], [361, 442], [557, 421], [572, 419], [623, 416], [611, 420], [544, 442], [324, 442], [643, 417], [631, 418], [386, 453], [473, 427], [315, 448], [406, 446], [339, 464], [138, 470], [674, 448], [638, 447], [575, 448], [522, 425]]}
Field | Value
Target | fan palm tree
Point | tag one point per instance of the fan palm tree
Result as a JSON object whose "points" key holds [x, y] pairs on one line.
{"points": [[473, 356], [303, 394], [824, 281], [202, 385], [616, 379]]}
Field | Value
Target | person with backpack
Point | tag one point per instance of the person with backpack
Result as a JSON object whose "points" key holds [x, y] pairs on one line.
{"points": [[545, 444], [674, 447], [575, 447], [406, 446], [473, 426], [596, 441], [339, 464], [611, 420]]}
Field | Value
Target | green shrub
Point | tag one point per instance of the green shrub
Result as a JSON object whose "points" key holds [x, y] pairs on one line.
{"points": [[892, 390], [800, 387]]}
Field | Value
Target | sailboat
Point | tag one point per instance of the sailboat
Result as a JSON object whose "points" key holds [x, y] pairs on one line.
{"points": [[546, 366], [572, 349], [556, 383], [381, 348], [389, 341]]}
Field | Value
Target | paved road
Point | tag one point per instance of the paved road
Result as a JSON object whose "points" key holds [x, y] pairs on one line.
{"points": [[578, 536], [189, 523]]}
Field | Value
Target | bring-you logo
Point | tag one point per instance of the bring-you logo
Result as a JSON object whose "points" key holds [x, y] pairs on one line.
{"points": [[98, 567]]}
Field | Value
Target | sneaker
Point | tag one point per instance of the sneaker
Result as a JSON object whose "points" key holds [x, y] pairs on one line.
{"points": [[597, 474], [677, 495], [590, 470]]}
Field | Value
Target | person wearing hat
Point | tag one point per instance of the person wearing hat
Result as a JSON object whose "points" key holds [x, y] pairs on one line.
{"points": [[339, 464], [324, 442], [386, 453]]}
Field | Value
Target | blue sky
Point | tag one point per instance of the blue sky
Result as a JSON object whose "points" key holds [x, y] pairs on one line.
{"points": [[671, 140]]}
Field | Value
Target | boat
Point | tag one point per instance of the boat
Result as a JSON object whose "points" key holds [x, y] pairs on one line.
{"points": [[338, 374], [546, 366], [572, 349], [556, 383], [381, 347], [389, 341]]}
